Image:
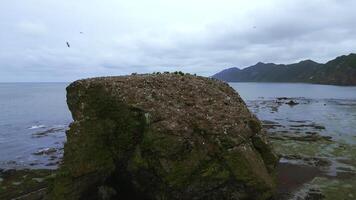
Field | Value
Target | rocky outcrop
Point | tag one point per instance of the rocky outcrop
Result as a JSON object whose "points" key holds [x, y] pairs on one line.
{"points": [[162, 136]]}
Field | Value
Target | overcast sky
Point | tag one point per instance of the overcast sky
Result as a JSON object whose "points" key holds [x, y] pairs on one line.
{"points": [[197, 36]]}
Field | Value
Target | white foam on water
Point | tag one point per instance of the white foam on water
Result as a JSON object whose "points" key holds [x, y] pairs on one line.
{"points": [[37, 126]]}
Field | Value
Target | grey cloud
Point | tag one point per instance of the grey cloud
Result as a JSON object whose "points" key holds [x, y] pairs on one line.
{"points": [[125, 37]]}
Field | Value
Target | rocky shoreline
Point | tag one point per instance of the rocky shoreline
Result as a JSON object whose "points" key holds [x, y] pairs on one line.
{"points": [[313, 165]]}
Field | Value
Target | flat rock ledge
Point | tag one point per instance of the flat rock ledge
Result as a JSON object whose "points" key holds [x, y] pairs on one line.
{"points": [[162, 136]]}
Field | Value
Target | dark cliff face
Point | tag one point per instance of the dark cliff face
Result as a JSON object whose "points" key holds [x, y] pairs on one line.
{"points": [[340, 71], [162, 136]]}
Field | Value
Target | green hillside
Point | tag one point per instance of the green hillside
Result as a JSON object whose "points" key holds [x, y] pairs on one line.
{"points": [[340, 71]]}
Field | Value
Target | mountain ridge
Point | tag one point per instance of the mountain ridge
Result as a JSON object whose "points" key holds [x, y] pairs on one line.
{"points": [[339, 71]]}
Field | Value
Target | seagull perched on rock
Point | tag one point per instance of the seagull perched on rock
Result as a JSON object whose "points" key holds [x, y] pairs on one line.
{"points": [[68, 44]]}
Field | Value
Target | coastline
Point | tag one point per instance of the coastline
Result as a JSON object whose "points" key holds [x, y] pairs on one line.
{"points": [[327, 162]]}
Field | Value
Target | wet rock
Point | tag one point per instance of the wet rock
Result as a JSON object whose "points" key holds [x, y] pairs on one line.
{"points": [[311, 133], [47, 132], [314, 194], [319, 127], [292, 103], [34, 163], [40, 180], [45, 151], [53, 163], [24, 184], [298, 121], [162, 136], [53, 157], [291, 177], [11, 162], [322, 163], [300, 137], [270, 124], [312, 125], [282, 98]]}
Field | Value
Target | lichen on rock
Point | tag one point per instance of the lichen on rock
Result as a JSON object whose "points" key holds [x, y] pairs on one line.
{"points": [[162, 136]]}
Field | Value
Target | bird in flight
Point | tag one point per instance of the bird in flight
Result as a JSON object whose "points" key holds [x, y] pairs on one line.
{"points": [[68, 44], [81, 32]]}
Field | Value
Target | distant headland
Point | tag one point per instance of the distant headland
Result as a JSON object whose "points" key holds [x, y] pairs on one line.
{"points": [[340, 71]]}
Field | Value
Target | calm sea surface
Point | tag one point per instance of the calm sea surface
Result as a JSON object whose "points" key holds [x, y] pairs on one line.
{"points": [[34, 116], [255, 91]]}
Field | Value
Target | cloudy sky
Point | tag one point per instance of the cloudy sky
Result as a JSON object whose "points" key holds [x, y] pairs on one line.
{"points": [[197, 36]]}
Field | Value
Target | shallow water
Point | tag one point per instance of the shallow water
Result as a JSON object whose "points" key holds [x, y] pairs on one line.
{"points": [[255, 91], [332, 107], [315, 136]]}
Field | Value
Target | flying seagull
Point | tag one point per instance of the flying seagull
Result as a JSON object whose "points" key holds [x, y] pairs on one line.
{"points": [[68, 44]]}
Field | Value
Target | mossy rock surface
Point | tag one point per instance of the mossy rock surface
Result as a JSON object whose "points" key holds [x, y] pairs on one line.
{"points": [[162, 136], [25, 184]]}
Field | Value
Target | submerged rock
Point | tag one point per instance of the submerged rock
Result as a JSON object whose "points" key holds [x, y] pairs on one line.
{"points": [[162, 136], [45, 151]]}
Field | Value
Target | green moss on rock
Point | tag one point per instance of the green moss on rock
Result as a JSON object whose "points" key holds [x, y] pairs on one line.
{"points": [[25, 184], [162, 136]]}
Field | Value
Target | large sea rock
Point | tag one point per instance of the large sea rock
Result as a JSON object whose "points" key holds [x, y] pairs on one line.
{"points": [[162, 136]]}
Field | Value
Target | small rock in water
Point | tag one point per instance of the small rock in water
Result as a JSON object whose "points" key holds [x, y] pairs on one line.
{"points": [[34, 163], [52, 164], [292, 103], [47, 132], [282, 98], [11, 162], [311, 133], [319, 127], [53, 157], [45, 151]]}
